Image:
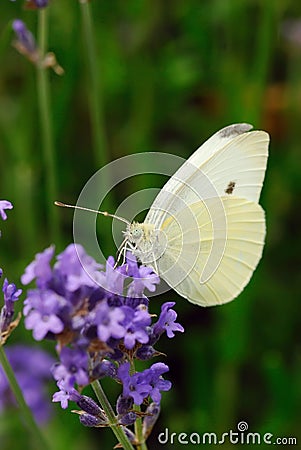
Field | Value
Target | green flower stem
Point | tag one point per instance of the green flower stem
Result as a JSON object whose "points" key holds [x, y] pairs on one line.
{"points": [[37, 436], [46, 127], [105, 404], [139, 434]]}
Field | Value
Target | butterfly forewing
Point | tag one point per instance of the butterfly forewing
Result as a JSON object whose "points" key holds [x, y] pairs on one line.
{"points": [[232, 155], [209, 213]]}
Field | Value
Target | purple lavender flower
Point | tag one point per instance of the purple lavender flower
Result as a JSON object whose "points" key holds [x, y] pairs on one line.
{"points": [[91, 414], [76, 267], [113, 281], [167, 322], [73, 367], [32, 370], [100, 326], [135, 386], [143, 384], [63, 395], [39, 269], [143, 277], [108, 321], [136, 324], [25, 41], [4, 204], [11, 293], [155, 379], [41, 313]]}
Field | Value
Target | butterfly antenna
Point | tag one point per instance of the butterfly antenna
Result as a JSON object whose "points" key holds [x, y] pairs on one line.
{"points": [[103, 213]]}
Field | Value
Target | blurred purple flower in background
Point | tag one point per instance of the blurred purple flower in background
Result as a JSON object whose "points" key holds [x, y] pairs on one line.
{"points": [[32, 370], [10, 291], [25, 38], [73, 367], [27, 46], [11, 295]]}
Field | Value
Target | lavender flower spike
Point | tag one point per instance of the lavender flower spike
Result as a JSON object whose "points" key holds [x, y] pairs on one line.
{"points": [[25, 42], [100, 330], [4, 204], [11, 295], [24, 36]]}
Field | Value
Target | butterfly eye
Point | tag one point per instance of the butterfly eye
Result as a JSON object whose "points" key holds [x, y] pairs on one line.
{"points": [[136, 233]]}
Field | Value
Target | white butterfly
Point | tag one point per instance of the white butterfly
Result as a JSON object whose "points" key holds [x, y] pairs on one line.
{"points": [[204, 233]]}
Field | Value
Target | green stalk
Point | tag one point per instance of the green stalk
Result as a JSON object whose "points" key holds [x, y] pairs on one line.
{"points": [[266, 31], [99, 138], [138, 432], [100, 146], [46, 127], [105, 404], [37, 436]]}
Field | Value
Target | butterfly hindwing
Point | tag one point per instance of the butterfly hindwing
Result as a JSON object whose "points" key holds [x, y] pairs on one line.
{"points": [[211, 265]]}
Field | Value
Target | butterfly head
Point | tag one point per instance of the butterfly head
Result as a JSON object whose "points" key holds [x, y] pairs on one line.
{"points": [[138, 232], [144, 241]]}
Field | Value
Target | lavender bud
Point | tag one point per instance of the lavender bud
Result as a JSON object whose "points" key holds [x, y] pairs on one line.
{"points": [[88, 420], [124, 404], [127, 419], [90, 406], [104, 369], [146, 352]]}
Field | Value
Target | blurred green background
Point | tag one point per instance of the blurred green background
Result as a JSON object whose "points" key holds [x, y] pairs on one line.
{"points": [[169, 74]]}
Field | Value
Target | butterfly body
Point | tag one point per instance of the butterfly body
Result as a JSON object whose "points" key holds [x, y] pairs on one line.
{"points": [[145, 242]]}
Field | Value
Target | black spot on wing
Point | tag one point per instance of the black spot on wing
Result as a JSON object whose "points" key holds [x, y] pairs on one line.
{"points": [[230, 187]]}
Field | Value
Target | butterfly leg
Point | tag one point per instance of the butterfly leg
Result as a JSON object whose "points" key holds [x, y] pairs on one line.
{"points": [[121, 251], [155, 264]]}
